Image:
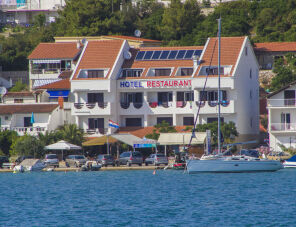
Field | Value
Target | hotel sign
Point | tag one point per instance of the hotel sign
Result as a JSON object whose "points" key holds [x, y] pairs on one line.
{"points": [[155, 84]]}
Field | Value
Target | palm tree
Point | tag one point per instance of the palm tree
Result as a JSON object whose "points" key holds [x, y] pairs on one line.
{"points": [[72, 134]]}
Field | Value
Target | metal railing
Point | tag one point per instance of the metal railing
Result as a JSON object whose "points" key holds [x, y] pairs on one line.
{"points": [[283, 126], [281, 102]]}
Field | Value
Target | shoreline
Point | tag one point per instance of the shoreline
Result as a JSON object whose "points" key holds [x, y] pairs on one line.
{"points": [[70, 169]]}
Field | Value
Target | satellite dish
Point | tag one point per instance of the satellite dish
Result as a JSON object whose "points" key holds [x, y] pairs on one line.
{"points": [[137, 33], [3, 90], [83, 41], [127, 55]]}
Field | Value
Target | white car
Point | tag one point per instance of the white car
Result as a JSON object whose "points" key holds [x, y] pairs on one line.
{"points": [[51, 160]]}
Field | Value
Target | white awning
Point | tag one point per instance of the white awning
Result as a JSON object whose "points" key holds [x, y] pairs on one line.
{"points": [[181, 138], [126, 138], [40, 61]]}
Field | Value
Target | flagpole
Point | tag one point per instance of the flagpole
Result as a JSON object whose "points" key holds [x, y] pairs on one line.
{"points": [[107, 144]]}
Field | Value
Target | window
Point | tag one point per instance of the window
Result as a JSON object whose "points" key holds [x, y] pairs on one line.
{"points": [[133, 122], [214, 71], [135, 97], [131, 73], [95, 73], [214, 119], [162, 72], [18, 101], [95, 97], [188, 121], [186, 71], [211, 95], [203, 96], [185, 96], [27, 122], [165, 97], [169, 120], [95, 123]]}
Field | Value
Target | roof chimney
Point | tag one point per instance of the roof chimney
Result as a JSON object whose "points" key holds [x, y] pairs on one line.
{"points": [[61, 102]]}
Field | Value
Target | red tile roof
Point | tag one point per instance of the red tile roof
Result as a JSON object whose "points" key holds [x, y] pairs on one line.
{"points": [[99, 55], [132, 63], [27, 108], [143, 131], [55, 51], [275, 46], [19, 94], [65, 74], [230, 49], [131, 38], [61, 84]]}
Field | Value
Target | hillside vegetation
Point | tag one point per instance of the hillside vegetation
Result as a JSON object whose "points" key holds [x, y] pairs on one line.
{"points": [[179, 24]]}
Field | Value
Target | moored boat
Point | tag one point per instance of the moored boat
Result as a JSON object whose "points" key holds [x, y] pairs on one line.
{"points": [[29, 165], [290, 163]]}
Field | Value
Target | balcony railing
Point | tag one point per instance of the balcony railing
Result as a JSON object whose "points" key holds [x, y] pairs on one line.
{"points": [[96, 131], [25, 130], [281, 103], [224, 103], [79, 105], [283, 126]]}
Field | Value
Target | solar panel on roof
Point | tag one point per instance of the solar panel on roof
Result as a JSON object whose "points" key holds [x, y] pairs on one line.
{"points": [[140, 55], [188, 54], [164, 54], [156, 55], [197, 52], [148, 55], [181, 54], [173, 54]]}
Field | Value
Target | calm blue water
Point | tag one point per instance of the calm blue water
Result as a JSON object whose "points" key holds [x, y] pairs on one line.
{"points": [[139, 198]]}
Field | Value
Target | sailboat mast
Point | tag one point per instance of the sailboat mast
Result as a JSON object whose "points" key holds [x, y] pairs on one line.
{"points": [[219, 92]]}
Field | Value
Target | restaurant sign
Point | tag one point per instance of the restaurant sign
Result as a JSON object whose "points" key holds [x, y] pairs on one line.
{"points": [[155, 84]]}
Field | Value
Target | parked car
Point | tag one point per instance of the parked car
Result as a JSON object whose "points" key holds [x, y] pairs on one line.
{"points": [[3, 159], [51, 160], [156, 159], [105, 160], [75, 160], [22, 158], [128, 158]]}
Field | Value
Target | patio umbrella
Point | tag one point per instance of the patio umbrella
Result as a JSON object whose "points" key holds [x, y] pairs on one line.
{"points": [[62, 145], [99, 141]]}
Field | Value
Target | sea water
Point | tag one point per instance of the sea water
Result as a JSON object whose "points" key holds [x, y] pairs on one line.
{"points": [[141, 198]]}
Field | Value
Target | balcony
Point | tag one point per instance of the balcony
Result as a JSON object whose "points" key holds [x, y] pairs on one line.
{"points": [[33, 131], [101, 108], [96, 131], [208, 107], [283, 127], [126, 105], [286, 103]]}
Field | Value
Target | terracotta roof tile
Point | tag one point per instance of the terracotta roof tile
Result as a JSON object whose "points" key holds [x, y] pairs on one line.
{"points": [[66, 74], [275, 46], [230, 49], [27, 108], [132, 63], [99, 55], [19, 94], [143, 131], [61, 84], [55, 51]]}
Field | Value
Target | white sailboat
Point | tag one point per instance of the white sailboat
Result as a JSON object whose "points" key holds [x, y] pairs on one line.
{"points": [[225, 164]]}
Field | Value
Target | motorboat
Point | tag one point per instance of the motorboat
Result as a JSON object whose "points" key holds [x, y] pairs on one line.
{"points": [[29, 165], [290, 163], [91, 166], [231, 164]]}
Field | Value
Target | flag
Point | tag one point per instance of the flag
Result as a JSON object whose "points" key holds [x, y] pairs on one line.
{"points": [[113, 124], [32, 118]]}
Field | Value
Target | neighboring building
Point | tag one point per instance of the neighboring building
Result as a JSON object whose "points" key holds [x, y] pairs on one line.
{"points": [[24, 97], [167, 2], [18, 117], [51, 62], [266, 53], [281, 106], [23, 11], [140, 87]]}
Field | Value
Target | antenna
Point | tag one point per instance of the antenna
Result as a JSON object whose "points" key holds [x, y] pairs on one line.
{"points": [[137, 33], [3, 90], [83, 41], [127, 55]]}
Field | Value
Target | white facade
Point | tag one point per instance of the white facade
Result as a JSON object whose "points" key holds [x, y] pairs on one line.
{"points": [[241, 101], [282, 118]]}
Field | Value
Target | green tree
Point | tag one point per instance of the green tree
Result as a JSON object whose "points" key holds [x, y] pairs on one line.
{"points": [[163, 127], [19, 86], [27, 145], [50, 137], [71, 133], [228, 130], [6, 139]]}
